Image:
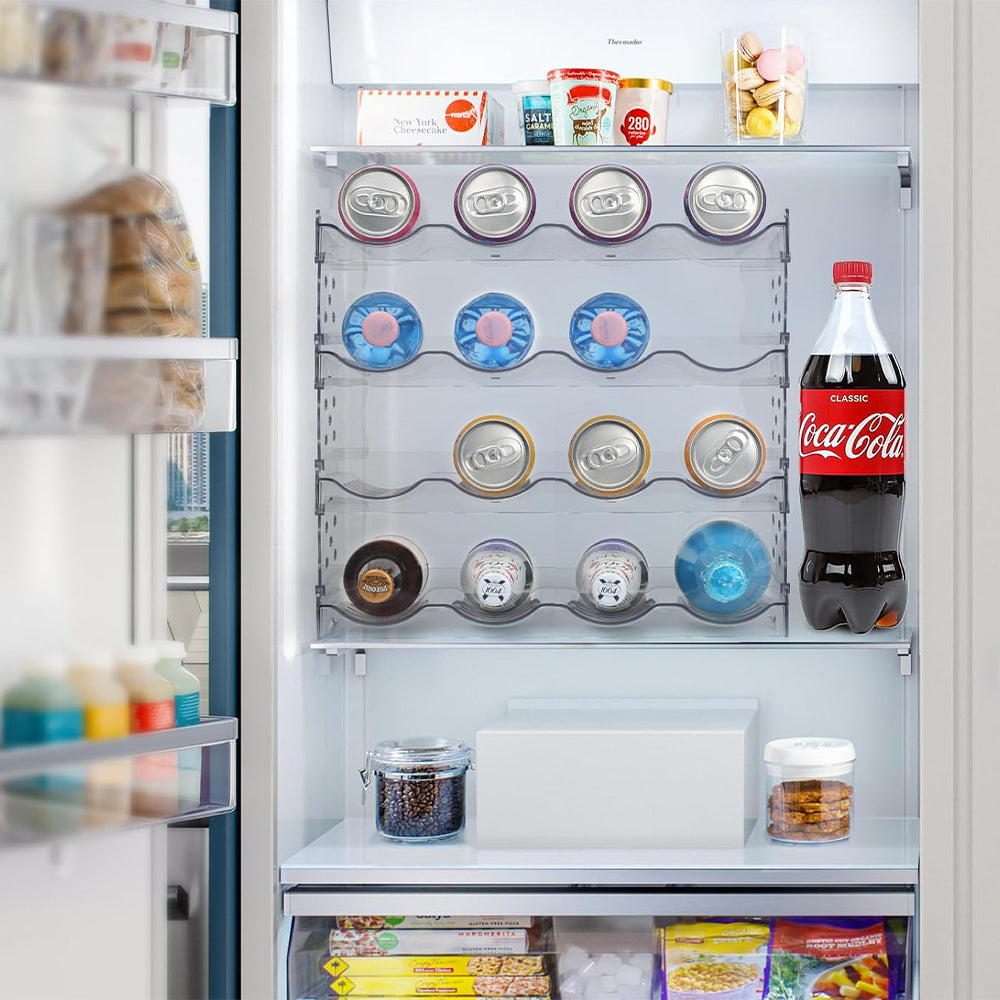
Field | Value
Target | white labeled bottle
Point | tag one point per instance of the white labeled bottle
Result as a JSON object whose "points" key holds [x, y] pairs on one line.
{"points": [[612, 576], [497, 576]]}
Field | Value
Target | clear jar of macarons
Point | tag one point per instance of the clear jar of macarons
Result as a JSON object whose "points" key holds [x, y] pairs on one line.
{"points": [[764, 84]]}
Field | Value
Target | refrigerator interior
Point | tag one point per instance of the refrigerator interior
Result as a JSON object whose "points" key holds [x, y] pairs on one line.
{"points": [[844, 194]]}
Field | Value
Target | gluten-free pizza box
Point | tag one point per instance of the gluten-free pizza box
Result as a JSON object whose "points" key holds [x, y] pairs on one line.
{"points": [[377, 923], [453, 986], [436, 965], [429, 942]]}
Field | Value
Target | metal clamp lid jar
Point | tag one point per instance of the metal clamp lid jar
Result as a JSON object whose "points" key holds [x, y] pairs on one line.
{"points": [[419, 787]]}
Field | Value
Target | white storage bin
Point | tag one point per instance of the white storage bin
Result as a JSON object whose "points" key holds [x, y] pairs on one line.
{"points": [[653, 773]]}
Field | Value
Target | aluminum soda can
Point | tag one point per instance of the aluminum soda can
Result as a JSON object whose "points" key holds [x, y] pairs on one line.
{"points": [[725, 453], [609, 455], [495, 204], [724, 201], [494, 455], [378, 204], [610, 204]]}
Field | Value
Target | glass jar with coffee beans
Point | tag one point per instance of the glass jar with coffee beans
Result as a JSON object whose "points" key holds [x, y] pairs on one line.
{"points": [[419, 787]]}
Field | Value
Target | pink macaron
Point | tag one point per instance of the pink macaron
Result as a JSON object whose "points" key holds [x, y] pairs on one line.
{"points": [[772, 64], [795, 58]]}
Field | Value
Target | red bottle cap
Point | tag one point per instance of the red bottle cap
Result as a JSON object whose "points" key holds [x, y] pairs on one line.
{"points": [[852, 270]]}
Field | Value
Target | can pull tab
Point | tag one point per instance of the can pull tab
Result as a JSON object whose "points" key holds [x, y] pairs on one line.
{"points": [[376, 201], [611, 453], [494, 201], [502, 452], [719, 198], [734, 445], [610, 201]]}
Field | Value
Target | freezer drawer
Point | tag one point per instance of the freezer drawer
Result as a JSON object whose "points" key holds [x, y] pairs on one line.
{"points": [[583, 944]]}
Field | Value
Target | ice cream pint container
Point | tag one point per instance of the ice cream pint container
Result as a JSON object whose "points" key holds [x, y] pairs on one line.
{"points": [[641, 108], [583, 106]]}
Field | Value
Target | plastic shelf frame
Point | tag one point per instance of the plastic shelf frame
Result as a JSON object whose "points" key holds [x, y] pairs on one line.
{"points": [[76, 788]]}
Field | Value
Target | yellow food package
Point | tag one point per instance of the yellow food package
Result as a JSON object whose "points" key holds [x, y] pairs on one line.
{"points": [[715, 957], [454, 986], [435, 965]]}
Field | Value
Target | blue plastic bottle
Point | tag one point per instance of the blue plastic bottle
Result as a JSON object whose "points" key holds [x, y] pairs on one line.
{"points": [[494, 331], [723, 569], [609, 331], [382, 330]]}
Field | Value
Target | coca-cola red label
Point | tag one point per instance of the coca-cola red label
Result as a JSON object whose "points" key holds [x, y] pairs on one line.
{"points": [[852, 432]]}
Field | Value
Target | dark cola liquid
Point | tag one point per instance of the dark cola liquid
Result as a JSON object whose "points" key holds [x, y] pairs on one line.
{"points": [[852, 572]]}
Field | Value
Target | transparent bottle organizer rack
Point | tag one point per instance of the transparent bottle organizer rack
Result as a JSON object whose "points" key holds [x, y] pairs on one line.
{"points": [[718, 344]]}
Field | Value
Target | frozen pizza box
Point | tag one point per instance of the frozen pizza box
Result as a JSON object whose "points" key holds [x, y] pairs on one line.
{"points": [[454, 986], [377, 923], [429, 118], [429, 942], [436, 965]]}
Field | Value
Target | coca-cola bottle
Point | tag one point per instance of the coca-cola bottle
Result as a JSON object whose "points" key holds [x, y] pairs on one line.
{"points": [[851, 456]]}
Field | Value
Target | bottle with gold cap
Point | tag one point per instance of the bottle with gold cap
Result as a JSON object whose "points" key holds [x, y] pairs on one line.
{"points": [[385, 576]]}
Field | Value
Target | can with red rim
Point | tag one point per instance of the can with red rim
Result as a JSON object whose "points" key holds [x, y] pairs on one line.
{"points": [[378, 204]]}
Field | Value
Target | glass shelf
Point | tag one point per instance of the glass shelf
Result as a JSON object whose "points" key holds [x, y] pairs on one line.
{"points": [[897, 640], [66, 45], [555, 243], [79, 787], [879, 852], [63, 385], [349, 157]]}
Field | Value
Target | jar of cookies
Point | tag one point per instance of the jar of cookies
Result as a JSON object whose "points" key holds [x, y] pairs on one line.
{"points": [[809, 794], [764, 78]]}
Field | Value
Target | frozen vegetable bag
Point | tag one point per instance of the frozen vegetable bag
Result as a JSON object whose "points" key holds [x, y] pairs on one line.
{"points": [[718, 959], [856, 958]]}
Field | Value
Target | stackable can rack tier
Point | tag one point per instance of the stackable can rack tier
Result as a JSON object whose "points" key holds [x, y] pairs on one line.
{"points": [[718, 344]]}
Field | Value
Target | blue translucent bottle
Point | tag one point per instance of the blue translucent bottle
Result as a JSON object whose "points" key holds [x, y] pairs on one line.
{"points": [[723, 569], [609, 331], [382, 330], [494, 331]]}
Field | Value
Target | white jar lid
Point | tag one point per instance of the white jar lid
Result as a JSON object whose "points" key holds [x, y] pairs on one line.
{"points": [[809, 751]]}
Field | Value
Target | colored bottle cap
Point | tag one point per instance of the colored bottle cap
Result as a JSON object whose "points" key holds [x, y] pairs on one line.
{"points": [[852, 270], [494, 329], [380, 328], [609, 328]]}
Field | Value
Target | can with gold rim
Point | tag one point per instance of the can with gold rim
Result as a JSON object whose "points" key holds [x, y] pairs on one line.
{"points": [[494, 455], [609, 456]]}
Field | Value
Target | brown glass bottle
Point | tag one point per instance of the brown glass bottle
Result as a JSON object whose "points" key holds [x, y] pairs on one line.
{"points": [[385, 576]]}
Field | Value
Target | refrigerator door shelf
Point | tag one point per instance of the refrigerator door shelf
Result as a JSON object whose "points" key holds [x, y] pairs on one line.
{"points": [[116, 385], [176, 50], [69, 789]]}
